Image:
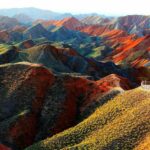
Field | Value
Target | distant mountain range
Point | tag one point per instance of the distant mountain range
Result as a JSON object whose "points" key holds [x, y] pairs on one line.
{"points": [[36, 13], [92, 36]]}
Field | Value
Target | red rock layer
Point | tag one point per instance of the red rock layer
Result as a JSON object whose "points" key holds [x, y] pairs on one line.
{"points": [[137, 52], [104, 85], [81, 90], [94, 30], [124, 45], [24, 130], [110, 36]]}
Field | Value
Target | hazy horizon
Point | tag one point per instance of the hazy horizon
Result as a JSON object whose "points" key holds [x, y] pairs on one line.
{"points": [[104, 7]]}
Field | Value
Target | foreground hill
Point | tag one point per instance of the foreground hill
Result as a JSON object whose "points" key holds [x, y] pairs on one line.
{"points": [[121, 123], [35, 103]]}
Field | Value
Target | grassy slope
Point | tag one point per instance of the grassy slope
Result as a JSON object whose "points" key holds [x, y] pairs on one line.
{"points": [[121, 123]]}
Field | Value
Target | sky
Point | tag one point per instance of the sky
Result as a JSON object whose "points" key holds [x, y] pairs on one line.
{"points": [[106, 7]]}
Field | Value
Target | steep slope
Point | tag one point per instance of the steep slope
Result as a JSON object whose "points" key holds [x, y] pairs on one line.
{"points": [[112, 37], [121, 123], [33, 106], [138, 49], [123, 44], [23, 88]]}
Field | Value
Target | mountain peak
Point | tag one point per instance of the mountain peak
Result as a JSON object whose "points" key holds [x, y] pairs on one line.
{"points": [[70, 23], [70, 19], [37, 27], [36, 31]]}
